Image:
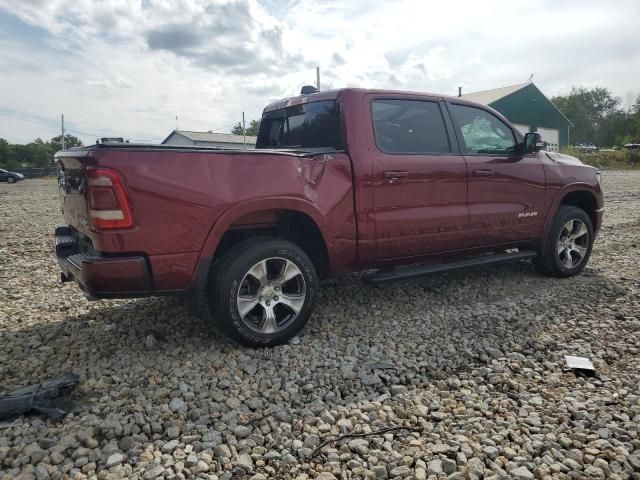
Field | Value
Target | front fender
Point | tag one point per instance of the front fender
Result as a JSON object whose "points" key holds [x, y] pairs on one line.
{"points": [[563, 192]]}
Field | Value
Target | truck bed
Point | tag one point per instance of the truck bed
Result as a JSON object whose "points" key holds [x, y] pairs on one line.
{"points": [[184, 199]]}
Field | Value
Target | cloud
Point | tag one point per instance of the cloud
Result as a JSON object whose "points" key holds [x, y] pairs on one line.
{"points": [[269, 89], [175, 38], [129, 68], [337, 59], [228, 36], [206, 28]]}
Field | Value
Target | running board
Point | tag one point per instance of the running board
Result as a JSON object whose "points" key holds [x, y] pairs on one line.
{"points": [[407, 273]]}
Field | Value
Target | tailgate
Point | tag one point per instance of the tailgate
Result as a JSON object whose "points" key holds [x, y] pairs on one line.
{"points": [[72, 184]]}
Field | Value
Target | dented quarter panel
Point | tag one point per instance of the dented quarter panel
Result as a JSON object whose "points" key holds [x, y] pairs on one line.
{"points": [[327, 184], [184, 201]]}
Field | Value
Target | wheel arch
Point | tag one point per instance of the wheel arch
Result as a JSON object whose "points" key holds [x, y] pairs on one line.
{"points": [[584, 200], [292, 219], [579, 195]]}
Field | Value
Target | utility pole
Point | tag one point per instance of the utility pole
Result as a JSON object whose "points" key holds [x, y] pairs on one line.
{"points": [[318, 78], [244, 132], [63, 142]]}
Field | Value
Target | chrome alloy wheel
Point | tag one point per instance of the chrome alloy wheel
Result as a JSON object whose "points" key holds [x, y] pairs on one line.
{"points": [[271, 295], [573, 243]]}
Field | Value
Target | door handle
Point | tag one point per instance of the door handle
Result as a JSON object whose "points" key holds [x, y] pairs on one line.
{"points": [[395, 175], [483, 173]]}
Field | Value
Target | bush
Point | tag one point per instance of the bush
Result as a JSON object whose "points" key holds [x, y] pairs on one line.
{"points": [[618, 160], [8, 164]]}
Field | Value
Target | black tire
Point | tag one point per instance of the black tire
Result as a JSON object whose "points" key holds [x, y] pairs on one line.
{"points": [[11, 180], [554, 263], [231, 273]]}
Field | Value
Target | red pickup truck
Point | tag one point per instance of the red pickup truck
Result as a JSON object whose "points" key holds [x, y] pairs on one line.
{"points": [[399, 184]]}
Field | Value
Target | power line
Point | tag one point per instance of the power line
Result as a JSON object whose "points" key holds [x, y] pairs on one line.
{"points": [[100, 135], [105, 132], [84, 133], [223, 128]]}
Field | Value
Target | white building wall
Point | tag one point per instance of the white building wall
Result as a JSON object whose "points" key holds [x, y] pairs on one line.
{"points": [[551, 136]]}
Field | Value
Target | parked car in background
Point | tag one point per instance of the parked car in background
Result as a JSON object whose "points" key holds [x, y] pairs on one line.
{"points": [[10, 177], [340, 181], [632, 146], [586, 147]]}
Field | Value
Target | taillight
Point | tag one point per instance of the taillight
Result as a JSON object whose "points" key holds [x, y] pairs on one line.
{"points": [[107, 200]]}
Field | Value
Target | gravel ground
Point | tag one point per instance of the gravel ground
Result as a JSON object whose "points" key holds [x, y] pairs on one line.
{"points": [[471, 361]]}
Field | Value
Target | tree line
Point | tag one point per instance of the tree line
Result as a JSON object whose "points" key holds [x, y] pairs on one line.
{"points": [[34, 154], [599, 117], [251, 129]]}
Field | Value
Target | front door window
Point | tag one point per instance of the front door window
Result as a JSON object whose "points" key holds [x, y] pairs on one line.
{"points": [[482, 132]]}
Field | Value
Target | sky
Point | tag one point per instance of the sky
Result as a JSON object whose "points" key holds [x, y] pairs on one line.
{"points": [[129, 68]]}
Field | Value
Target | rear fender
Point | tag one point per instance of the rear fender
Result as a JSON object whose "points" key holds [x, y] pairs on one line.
{"points": [[229, 218]]}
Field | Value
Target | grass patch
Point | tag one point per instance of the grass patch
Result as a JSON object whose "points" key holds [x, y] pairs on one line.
{"points": [[618, 160]]}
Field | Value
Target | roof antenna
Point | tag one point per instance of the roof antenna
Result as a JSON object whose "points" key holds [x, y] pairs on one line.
{"points": [[459, 91], [530, 79]]}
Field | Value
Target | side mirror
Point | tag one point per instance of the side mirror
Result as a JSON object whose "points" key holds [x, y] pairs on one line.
{"points": [[533, 142]]}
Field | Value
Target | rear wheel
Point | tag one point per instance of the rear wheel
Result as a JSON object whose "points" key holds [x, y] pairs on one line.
{"points": [[567, 248], [11, 180], [263, 291]]}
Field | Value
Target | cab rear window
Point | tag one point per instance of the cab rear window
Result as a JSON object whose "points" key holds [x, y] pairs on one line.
{"points": [[310, 125]]}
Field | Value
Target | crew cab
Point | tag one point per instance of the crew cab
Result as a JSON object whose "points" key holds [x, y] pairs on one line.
{"points": [[394, 184]]}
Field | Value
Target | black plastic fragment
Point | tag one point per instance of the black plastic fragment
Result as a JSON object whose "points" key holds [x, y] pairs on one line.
{"points": [[42, 398]]}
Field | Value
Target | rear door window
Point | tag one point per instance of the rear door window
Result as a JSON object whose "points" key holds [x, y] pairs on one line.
{"points": [[309, 125], [482, 132], [409, 127]]}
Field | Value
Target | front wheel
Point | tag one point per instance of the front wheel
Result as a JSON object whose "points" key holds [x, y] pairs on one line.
{"points": [[263, 291], [567, 248], [11, 180]]}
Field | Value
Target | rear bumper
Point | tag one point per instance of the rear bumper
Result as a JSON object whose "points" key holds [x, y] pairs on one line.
{"points": [[101, 276]]}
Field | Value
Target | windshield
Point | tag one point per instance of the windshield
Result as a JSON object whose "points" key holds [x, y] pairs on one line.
{"points": [[310, 125]]}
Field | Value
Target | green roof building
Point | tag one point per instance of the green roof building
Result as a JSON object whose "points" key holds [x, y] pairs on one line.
{"points": [[529, 110]]}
